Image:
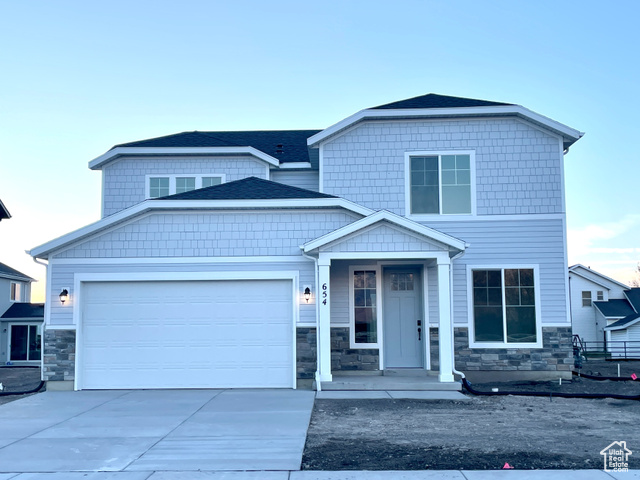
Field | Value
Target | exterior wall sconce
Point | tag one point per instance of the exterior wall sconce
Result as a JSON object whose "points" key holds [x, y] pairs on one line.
{"points": [[307, 294], [64, 296]]}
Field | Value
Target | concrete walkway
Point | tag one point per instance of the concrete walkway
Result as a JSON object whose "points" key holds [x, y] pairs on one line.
{"points": [[150, 430]]}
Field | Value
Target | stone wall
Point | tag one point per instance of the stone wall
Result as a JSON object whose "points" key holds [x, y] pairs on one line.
{"points": [[343, 357], [556, 353], [59, 355]]}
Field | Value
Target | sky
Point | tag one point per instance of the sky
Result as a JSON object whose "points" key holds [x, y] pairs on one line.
{"points": [[78, 77]]}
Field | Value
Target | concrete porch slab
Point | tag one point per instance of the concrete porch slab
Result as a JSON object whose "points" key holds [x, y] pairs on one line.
{"points": [[418, 382]]}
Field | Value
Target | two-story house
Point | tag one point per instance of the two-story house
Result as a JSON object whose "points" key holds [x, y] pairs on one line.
{"points": [[20, 321], [425, 234]]}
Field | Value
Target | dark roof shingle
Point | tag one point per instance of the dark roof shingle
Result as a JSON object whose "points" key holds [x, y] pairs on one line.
{"points": [[25, 310], [4, 213], [285, 145], [615, 308], [250, 188], [7, 271], [633, 295], [433, 100]]}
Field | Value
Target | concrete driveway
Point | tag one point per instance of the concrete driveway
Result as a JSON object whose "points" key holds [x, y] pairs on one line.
{"points": [[154, 430]]}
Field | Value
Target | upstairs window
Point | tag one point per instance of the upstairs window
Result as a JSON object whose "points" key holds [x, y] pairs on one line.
{"points": [[164, 185], [600, 295], [16, 292], [586, 298], [440, 184]]}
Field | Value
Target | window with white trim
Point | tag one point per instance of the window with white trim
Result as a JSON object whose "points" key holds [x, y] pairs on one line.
{"points": [[440, 184], [364, 305], [600, 295], [164, 185], [25, 342], [16, 292], [586, 298], [504, 306]]}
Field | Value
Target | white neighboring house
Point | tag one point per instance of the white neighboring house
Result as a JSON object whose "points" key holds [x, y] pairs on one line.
{"points": [[587, 287]]}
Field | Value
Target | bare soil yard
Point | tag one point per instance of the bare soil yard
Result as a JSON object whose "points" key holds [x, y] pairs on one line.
{"points": [[18, 379], [484, 433]]}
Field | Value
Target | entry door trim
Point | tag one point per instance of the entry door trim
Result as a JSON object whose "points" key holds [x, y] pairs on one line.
{"points": [[81, 278]]}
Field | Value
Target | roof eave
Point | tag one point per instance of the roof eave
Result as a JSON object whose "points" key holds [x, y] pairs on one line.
{"points": [[43, 251], [569, 135], [116, 152]]}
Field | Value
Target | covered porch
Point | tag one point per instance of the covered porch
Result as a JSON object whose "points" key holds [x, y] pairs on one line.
{"points": [[383, 281]]}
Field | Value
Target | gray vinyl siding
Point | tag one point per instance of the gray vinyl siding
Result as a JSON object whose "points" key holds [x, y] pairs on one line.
{"points": [[124, 181], [62, 276], [308, 179], [518, 167]]}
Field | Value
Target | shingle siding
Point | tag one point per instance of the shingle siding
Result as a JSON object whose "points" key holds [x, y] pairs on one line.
{"points": [[212, 234], [518, 167], [124, 180], [383, 238]]}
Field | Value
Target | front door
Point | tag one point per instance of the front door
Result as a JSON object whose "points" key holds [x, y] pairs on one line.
{"points": [[403, 318]]}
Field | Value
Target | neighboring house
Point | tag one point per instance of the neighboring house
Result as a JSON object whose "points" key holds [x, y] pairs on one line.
{"points": [[21, 322], [586, 287], [273, 258], [4, 213], [622, 330]]}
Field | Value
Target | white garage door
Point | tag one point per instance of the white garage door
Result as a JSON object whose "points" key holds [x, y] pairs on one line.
{"points": [[187, 334]]}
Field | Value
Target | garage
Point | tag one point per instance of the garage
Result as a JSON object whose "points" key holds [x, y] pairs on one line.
{"points": [[186, 334]]}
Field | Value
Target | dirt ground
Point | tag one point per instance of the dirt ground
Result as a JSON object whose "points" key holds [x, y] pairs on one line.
{"points": [[18, 379], [483, 433]]}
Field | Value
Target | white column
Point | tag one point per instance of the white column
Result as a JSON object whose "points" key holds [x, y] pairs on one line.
{"points": [[324, 320], [444, 326]]}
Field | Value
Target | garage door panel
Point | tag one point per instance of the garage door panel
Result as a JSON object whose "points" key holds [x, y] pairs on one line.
{"points": [[204, 334]]}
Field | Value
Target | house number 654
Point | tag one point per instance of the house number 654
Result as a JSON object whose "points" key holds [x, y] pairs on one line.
{"points": [[324, 294]]}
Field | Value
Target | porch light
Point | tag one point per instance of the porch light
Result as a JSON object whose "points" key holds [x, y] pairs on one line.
{"points": [[307, 294], [64, 296]]}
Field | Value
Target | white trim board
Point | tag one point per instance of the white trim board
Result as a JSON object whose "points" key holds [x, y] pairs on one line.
{"points": [[568, 133], [180, 260], [98, 162]]}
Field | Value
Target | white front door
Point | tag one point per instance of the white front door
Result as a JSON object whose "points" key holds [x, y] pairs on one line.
{"points": [[186, 334]]}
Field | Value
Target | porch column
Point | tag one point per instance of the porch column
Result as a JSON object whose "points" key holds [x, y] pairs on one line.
{"points": [[444, 327], [323, 298]]}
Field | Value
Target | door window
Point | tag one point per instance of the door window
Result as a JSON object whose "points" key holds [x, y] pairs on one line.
{"points": [[26, 342]]}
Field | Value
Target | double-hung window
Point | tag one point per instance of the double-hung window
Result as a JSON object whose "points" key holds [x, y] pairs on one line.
{"points": [[504, 307], [15, 294], [440, 183], [164, 185], [586, 298]]}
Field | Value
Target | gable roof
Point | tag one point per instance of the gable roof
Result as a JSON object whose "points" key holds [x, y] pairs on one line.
{"points": [[587, 273], [433, 100], [633, 295], [7, 272], [4, 213], [25, 310], [615, 308], [442, 106], [624, 322], [250, 188], [392, 218], [279, 146]]}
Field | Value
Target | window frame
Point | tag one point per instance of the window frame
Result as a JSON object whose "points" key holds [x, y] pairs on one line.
{"points": [[40, 327], [172, 181], [16, 287], [352, 317], [600, 296], [471, 319], [590, 299], [439, 154]]}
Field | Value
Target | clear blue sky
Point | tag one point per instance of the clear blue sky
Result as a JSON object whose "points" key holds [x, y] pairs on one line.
{"points": [[78, 77]]}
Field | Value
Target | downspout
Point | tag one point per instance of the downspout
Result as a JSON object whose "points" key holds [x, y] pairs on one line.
{"points": [[317, 279], [453, 340]]}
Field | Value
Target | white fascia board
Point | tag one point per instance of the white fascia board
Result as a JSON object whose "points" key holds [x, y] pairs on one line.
{"points": [[114, 153], [380, 114], [576, 269], [19, 278], [295, 165], [384, 215], [43, 250]]}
